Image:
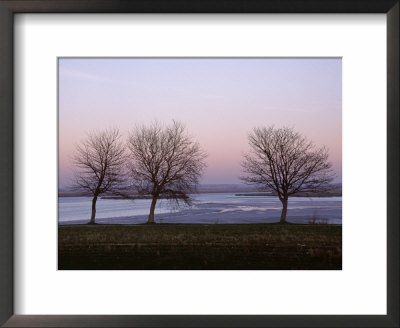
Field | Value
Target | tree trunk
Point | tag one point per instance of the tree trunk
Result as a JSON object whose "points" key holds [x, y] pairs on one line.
{"points": [[92, 218], [152, 208], [284, 210]]}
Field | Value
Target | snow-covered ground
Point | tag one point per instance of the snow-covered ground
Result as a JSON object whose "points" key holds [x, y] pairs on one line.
{"points": [[211, 208]]}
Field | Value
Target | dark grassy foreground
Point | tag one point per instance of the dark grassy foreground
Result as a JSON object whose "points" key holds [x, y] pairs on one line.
{"points": [[198, 246]]}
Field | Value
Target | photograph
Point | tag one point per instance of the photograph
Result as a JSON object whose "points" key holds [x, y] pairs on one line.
{"points": [[199, 163]]}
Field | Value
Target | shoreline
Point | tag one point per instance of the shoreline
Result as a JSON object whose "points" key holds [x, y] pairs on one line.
{"points": [[238, 193], [69, 224], [142, 220]]}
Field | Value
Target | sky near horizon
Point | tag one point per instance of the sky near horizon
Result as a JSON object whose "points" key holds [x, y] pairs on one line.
{"points": [[219, 100]]}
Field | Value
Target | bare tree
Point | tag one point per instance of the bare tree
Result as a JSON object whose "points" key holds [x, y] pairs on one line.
{"points": [[99, 160], [283, 161], [164, 162]]}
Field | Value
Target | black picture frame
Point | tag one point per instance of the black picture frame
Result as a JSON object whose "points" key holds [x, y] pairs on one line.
{"points": [[10, 7]]}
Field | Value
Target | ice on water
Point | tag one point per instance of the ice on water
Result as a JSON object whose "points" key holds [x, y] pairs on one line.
{"points": [[210, 208]]}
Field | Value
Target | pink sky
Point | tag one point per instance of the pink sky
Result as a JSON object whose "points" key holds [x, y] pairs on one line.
{"points": [[218, 100]]}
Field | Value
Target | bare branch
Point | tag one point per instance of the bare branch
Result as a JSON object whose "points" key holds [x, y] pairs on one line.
{"points": [[165, 161], [283, 161], [99, 162]]}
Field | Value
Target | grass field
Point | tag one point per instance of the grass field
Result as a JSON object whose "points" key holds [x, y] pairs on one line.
{"points": [[200, 247]]}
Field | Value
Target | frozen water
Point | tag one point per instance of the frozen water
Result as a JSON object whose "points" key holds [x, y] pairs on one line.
{"points": [[210, 208]]}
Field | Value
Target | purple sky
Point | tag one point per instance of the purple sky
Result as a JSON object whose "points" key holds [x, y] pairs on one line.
{"points": [[218, 100]]}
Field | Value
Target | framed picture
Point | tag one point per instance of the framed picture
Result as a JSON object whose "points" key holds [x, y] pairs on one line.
{"points": [[221, 89], [206, 191]]}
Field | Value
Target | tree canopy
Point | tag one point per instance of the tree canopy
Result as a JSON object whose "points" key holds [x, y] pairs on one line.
{"points": [[284, 161], [164, 161]]}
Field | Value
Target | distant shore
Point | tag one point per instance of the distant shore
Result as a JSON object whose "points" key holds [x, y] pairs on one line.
{"points": [[136, 196], [238, 189], [302, 194], [245, 193]]}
